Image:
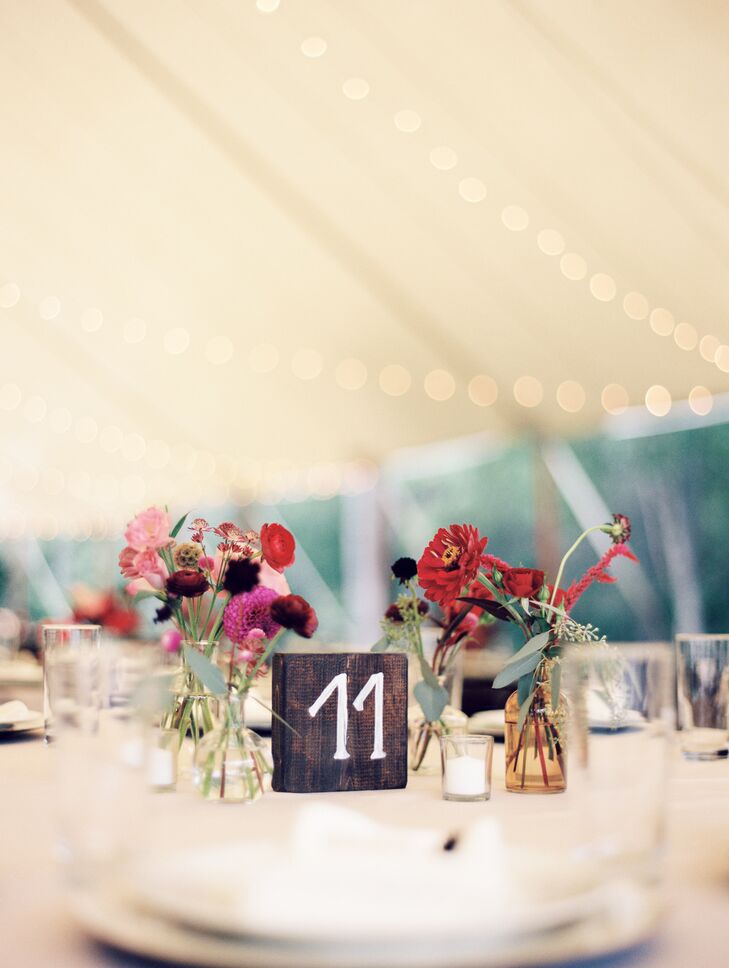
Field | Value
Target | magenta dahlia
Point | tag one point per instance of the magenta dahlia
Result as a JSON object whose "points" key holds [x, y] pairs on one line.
{"points": [[248, 611]]}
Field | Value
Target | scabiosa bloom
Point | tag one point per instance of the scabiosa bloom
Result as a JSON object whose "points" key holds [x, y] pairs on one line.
{"points": [[187, 554], [404, 569], [187, 583], [241, 575], [295, 613], [620, 529], [248, 611], [450, 562]]}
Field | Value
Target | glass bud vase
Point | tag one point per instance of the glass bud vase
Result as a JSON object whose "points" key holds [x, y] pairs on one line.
{"points": [[536, 753], [232, 763], [424, 738], [190, 714]]}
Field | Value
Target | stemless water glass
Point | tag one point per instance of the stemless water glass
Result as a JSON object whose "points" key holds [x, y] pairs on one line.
{"points": [[703, 695], [71, 679], [466, 764], [621, 717]]}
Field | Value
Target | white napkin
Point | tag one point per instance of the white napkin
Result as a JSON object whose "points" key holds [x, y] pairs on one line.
{"points": [[15, 711], [341, 876]]}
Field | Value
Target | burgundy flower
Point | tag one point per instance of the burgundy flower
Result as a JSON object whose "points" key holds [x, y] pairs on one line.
{"points": [[295, 613], [523, 582], [404, 569], [450, 562], [187, 583], [241, 575]]}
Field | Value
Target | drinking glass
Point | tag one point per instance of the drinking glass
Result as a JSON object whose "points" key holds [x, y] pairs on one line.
{"points": [[71, 679], [703, 695], [466, 766], [621, 718]]}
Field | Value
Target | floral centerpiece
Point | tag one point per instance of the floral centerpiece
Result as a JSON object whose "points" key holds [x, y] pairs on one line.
{"points": [[103, 607], [402, 627], [456, 573], [228, 606]]}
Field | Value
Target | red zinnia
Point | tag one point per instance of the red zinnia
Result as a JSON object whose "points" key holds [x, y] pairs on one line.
{"points": [[450, 562], [277, 546]]}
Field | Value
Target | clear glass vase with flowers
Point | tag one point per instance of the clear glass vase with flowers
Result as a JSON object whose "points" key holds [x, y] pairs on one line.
{"points": [[196, 584], [455, 571], [430, 714]]}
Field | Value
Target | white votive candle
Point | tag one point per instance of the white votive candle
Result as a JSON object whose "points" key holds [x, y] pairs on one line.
{"points": [[466, 763], [161, 768], [465, 776]]}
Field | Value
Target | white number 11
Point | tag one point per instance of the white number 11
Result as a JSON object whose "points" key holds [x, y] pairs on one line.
{"points": [[339, 683]]}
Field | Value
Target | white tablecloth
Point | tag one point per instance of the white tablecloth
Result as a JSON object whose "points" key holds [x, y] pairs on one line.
{"points": [[35, 930]]}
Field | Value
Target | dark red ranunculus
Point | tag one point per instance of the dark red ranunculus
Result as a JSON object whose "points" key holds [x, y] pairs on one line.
{"points": [[294, 612], [523, 582], [187, 583], [277, 546], [450, 562]]}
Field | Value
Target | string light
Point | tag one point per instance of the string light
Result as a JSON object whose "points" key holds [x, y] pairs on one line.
{"points": [[407, 121], [314, 47], [701, 401], [614, 398], [443, 158], [528, 391], [658, 400], [356, 88], [395, 380], [515, 218], [482, 390], [472, 190], [439, 385]]}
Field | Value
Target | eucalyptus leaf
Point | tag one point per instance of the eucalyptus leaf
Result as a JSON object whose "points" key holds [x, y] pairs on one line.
{"points": [[523, 711], [176, 530], [524, 686], [534, 644], [432, 699], [427, 673], [382, 645], [208, 673], [514, 670], [555, 684], [153, 695]]}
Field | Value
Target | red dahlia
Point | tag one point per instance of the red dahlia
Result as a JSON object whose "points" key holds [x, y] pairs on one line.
{"points": [[450, 562]]}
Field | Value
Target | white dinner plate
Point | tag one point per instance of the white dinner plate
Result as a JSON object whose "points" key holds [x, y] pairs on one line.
{"points": [[344, 891], [628, 917], [490, 722], [23, 725], [18, 672]]}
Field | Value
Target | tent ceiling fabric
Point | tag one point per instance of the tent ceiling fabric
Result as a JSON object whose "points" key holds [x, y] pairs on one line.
{"points": [[239, 214]]}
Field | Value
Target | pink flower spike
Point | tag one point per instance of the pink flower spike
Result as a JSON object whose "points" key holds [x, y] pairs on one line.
{"points": [[171, 640]]}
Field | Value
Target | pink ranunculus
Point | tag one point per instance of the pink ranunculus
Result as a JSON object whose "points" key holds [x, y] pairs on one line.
{"points": [[143, 585], [149, 565], [126, 563], [149, 530], [271, 578]]}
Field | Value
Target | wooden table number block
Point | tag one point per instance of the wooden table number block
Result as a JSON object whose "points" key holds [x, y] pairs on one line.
{"points": [[350, 713]]}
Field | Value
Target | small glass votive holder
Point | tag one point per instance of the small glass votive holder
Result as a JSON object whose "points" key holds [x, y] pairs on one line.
{"points": [[466, 766], [703, 696]]}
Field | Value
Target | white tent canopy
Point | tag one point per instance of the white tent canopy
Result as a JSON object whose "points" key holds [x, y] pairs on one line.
{"points": [[251, 248]]}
